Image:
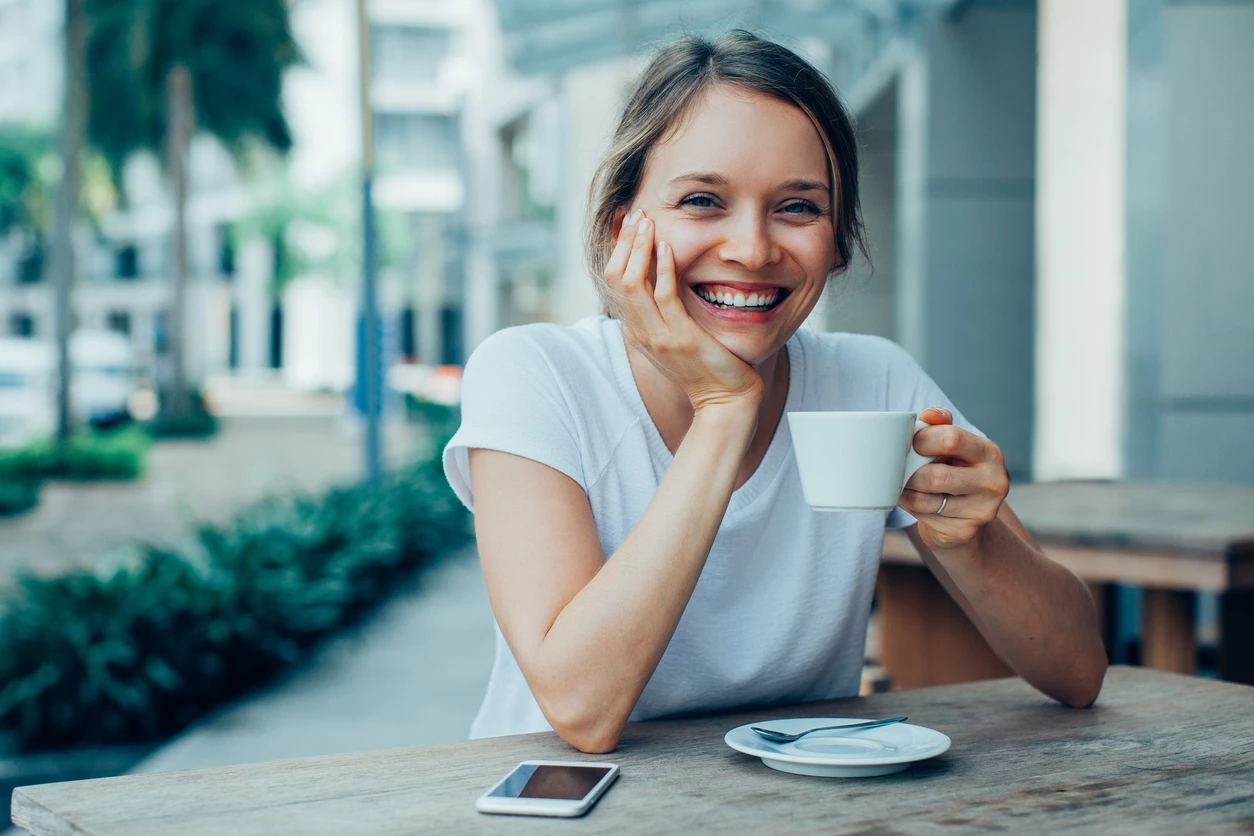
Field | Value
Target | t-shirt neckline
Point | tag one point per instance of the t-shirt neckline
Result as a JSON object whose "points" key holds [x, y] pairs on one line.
{"points": [[777, 451]]}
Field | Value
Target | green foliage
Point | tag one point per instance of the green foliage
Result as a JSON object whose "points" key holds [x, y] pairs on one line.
{"points": [[236, 54], [139, 652], [26, 155], [17, 496], [438, 418], [87, 456], [319, 231]]}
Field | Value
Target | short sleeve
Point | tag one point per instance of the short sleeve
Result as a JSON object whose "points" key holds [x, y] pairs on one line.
{"points": [[512, 401], [910, 389]]}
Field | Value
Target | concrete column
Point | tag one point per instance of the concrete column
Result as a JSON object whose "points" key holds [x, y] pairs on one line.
{"points": [[593, 98], [1080, 232], [1206, 388], [253, 276], [481, 298], [429, 289], [965, 186], [863, 301]]}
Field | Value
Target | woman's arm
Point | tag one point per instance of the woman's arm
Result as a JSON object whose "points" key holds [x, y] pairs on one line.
{"points": [[588, 632], [1035, 614]]}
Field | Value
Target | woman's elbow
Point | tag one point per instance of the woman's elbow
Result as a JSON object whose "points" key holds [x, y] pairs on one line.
{"points": [[596, 742], [592, 730], [1084, 687]]}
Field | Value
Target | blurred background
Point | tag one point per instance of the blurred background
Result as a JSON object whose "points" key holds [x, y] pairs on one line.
{"points": [[269, 236]]}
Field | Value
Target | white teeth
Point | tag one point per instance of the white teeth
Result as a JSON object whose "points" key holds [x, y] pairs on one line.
{"points": [[739, 300]]}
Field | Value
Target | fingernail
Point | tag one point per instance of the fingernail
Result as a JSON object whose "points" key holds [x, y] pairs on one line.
{"points": [[632, 218], [662, 248]]}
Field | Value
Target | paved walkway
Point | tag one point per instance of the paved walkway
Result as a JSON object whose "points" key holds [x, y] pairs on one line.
{"points": [[414, 674]]}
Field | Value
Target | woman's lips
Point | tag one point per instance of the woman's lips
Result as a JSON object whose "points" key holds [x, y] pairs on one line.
{"points": [[743, 315]]}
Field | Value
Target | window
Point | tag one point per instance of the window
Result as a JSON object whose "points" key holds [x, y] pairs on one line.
{"points": [[126, 261], [530, 169], [119, 321], [407, 53], [161, 333], [415, 140], [22, 325]]}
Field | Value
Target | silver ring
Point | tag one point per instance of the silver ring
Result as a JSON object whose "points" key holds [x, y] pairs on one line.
{"points": [[941, 509]]}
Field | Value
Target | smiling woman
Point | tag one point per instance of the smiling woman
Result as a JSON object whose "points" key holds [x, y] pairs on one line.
{"points": [[645, 542]]}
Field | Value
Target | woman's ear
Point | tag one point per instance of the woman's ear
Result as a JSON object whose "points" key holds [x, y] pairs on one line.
{"points": [[616, 226]]}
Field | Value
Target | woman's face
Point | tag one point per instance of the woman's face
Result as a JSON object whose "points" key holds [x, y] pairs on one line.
{"points": [[742, 194]]}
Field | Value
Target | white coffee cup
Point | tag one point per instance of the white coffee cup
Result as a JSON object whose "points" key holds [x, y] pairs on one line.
{"points": [[855, 461]]}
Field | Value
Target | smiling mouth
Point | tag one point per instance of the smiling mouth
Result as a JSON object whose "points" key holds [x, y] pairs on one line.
{"points": [[763, 300]]}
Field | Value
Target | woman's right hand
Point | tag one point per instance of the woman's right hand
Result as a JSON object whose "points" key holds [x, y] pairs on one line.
{"points": [[655, 322]]}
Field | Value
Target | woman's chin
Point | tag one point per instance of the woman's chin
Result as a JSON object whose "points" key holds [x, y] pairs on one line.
{"points": [[749, 350]]}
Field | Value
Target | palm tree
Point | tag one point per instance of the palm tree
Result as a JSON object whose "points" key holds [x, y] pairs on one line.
{"points": [[158, 70], [70, 146]]}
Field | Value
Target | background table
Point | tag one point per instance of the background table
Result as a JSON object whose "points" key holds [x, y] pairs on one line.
{"points": [[1172, 541], [1160, 753]]}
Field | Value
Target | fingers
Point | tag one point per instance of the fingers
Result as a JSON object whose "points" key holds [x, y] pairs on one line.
{"points": [[938, 479], [627, 276], [666, 289], [953, 442], [640, 259], [622, 250], [951, 506], [936, 415]]}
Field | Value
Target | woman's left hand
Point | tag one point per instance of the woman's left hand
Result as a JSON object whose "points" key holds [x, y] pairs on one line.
{"points": [[956, 496]]}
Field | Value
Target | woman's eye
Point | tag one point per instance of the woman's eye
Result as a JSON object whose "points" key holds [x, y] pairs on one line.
{"points": [[699, 201], [801, 207]]}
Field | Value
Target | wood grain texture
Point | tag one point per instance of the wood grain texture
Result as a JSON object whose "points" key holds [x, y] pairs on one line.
{"points": [[1154, 570], [1203, 519], [1160, 753], [1168, 631], [1159, 536], [926, 638]]}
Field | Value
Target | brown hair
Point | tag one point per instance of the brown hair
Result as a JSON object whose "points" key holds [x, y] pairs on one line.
{"points": [[676, 77]]}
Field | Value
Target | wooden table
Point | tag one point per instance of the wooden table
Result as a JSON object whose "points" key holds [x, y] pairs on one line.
{"points": [[1160, 753], [1173, 541]]}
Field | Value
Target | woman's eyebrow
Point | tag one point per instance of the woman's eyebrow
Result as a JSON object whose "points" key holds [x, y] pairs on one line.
{"points": [[708, 177], [711, 178], [804, 186]]}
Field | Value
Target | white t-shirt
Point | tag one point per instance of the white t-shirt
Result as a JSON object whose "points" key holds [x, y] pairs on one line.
{"points": [[779, 614]]}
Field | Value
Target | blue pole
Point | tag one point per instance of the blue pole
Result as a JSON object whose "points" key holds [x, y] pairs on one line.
{"points": [[369, 371]]}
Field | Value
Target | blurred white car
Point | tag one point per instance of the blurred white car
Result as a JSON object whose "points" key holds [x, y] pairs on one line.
{"points": [[103, 380]]}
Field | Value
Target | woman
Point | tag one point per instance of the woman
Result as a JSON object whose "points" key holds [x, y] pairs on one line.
{"points": [[645, 544]]}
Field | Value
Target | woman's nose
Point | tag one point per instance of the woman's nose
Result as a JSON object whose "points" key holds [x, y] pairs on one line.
{"points": [[748, 242]]}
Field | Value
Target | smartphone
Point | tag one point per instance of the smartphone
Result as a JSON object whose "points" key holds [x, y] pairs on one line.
{"points": [[549, 788]]}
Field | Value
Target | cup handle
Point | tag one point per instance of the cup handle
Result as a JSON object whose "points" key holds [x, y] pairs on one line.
{"points": [[913, 460]]}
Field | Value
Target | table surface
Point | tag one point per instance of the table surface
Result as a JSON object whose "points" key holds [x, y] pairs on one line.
{"points": [[1205, 519], [1160, 753]]}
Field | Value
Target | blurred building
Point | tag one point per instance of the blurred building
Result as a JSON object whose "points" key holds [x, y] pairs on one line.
{"points": [[122, 280], [1053, 193], [241, 318]]}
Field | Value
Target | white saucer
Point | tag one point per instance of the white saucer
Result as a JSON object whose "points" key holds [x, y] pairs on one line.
{"points": [[837, 754]]}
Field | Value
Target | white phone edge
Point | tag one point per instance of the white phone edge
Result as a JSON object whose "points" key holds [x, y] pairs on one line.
{"points": [[555, 807]]}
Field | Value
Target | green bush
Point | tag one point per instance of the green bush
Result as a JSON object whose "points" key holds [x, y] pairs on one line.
{"points": [[17, 495], [439, 418], [139, 652], [86, 456]]}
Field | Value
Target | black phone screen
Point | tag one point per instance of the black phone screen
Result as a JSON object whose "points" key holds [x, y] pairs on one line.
{"points": [[550, 781]]}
